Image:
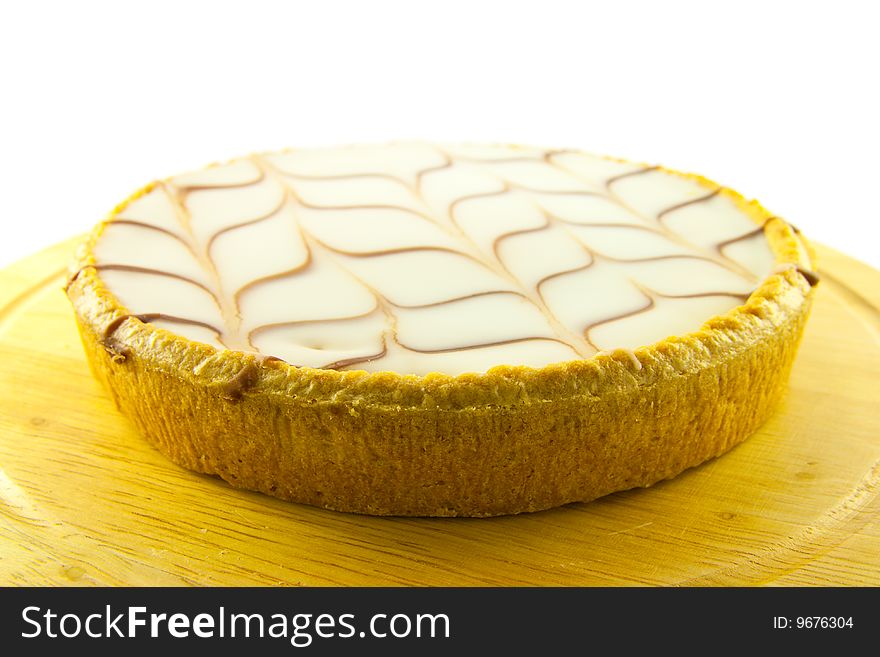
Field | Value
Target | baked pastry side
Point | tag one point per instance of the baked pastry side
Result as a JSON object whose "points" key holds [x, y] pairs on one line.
{"points": [[511, 440]]}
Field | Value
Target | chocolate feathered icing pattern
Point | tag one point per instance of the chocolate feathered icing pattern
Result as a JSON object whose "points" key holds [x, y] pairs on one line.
{"points": [[418, 258]]}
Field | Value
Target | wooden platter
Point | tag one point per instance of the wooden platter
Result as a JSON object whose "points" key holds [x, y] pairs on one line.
{"points": [[84, 500]]}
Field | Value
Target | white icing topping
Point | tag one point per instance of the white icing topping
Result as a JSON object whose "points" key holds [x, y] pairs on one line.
{"points": [[418, 258]]}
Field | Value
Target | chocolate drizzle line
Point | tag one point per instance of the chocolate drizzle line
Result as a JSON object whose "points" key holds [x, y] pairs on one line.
{"points": [[747, 236], [649, 304], [301, 322], [158, 229], [230, 335], [556, 192], [564, 272], [496, 243], [153, 272], [638, 172], [185, 190], [147, 318], [346, 176], [465, 297], [72, 278], [250, 222], [247, 377], [473, 197], [349, 362], [700, 295], [679, 206], [440, 167], [811, 277], [482, 345]]}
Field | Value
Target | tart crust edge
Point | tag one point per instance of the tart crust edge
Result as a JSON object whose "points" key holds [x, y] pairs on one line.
{"points": [[510, 440]]}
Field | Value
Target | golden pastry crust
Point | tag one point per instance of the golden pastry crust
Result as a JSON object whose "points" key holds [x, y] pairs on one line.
{"points": [[510, 440]]}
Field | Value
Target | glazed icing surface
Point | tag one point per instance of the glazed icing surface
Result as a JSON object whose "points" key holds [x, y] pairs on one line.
{"points": [[419, 258]]}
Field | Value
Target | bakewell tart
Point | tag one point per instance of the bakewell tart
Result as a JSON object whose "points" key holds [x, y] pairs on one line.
{"points": [[433, 330]]}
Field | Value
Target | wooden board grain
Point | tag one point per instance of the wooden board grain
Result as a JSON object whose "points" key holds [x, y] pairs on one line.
{"points": [[84, 500]]}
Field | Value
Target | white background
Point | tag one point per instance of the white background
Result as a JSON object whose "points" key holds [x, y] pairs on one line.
{"points": [[776, 99]]}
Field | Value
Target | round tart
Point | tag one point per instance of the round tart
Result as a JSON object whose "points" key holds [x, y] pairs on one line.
{"points": [[414, 329]]}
